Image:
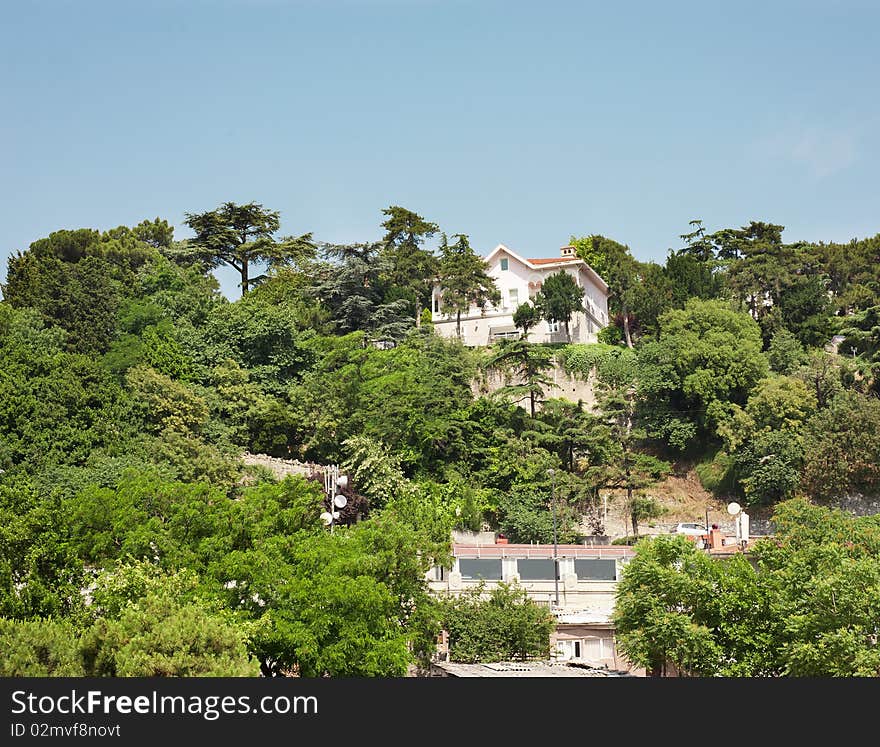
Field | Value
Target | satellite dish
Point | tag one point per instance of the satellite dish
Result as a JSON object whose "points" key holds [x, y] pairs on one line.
{"points": [[326, 517], [733, 508], [340, 501], [342, 481]]}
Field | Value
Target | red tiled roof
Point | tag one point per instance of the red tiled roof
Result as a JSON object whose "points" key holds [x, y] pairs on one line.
{"points": [[554, 260]]}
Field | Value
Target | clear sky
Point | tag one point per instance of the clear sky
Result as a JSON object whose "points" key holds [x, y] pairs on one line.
{"points": [[513, 122]]}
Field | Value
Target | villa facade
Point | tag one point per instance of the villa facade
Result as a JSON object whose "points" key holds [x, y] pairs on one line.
{"points": [[518, 280]]}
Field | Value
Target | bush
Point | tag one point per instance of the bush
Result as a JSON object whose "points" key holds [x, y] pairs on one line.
{"points": [[39, 648], [716, 474], [625, 540], [611, 335], [582, 359], [507, 625]]}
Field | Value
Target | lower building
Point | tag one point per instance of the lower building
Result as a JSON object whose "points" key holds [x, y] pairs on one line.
{"points": [[580, 595]]}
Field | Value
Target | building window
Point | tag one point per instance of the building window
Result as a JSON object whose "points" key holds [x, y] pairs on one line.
{"points": [[514, 298], [535, 569], [472, 569], [436, 304], [594, 649], [504, 264], [552, 327], [595, 569]]}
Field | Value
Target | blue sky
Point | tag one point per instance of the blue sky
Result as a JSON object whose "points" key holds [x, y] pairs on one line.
{"points": [[513, 122]]}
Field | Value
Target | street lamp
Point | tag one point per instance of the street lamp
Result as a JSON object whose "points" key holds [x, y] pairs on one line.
{"points": [[332, 481], [552, 473]]}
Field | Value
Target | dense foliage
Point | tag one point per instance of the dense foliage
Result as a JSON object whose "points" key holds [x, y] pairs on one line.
{"points": [[807, 603], [129, 388], [504, 624]]}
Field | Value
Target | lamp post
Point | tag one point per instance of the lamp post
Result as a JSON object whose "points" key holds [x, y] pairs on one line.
{"points": [[552, 473], [332, 481]]}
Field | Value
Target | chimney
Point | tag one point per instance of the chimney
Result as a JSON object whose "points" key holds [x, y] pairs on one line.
{"points": [[568, 252]]}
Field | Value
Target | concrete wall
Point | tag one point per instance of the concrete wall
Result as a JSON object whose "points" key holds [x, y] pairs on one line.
{"points": [[595, 642], [563, 387]]}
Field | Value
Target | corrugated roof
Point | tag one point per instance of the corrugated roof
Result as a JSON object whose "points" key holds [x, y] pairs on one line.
{"points": [[580, 668]]}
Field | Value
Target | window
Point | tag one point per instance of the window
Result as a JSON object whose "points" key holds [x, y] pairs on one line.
{"points": [[552, 327], [595, 569], [436, 304], [594, 648], [514, 298], [504, 264], [535, 569], [475, 568]]}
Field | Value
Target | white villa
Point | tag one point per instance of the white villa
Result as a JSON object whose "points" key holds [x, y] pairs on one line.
{"points": [[519, 279]]}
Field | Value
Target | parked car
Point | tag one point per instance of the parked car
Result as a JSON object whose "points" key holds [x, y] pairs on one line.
{"points": [[690, 528]]}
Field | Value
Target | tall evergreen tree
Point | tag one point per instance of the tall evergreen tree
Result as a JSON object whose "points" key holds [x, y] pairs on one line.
{"points": [[239, 235], [559, 298], [464, 279], [411, 268], [527, 363]]}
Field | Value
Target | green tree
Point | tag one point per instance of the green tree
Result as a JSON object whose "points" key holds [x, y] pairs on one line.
{"points": [[525, 317], [374, 470], [166, 631], [823, 374], [697, 244], [352, 287], [785, 353], [559, 299], [804, 604], [622, 465], [653, 618], [267, 339], [619, 269], [464, 279], [239, 235], [527, 364], [842, 447], [708, 357], [352, 603], [805, 309], [777, 403], [77, 280], [40, 573], [652, 295], [412, 269], [768, 466], [40, 648], [162, 403], [571, 431], [506, 626], [688, 276]]}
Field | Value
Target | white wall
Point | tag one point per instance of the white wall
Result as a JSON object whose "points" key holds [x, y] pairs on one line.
{"points": [[526, 282]]}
